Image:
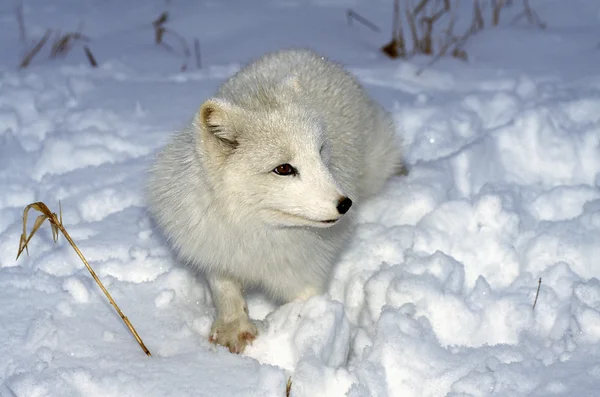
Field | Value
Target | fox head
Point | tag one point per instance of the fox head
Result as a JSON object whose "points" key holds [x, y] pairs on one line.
{"points": [[270, 165]]}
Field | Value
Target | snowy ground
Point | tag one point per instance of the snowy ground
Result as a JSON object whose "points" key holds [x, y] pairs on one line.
{"points": [[433, 296]]}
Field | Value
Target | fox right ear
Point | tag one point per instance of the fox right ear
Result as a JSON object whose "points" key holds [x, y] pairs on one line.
{"points": [[213, 119]]}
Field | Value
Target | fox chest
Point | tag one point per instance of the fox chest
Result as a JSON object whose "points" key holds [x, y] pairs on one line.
{"points": [[254, 256]]}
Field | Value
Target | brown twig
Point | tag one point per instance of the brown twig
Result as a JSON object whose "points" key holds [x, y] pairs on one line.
{"points": [[31, 54], [64, 43], [537, 293], [159, 29], [412, 26], [396, 47], [446, 7], [478, 22], [162, 19], [351, 14], [531, 15], [423, 18], [452, 41], [197, 53], [90, 56], [497, 6], [288, 387], [449, 31], [21, 23], [182, 41], [56, 225], [184, 46], [419, 7], [396, 21], [426, 42]]}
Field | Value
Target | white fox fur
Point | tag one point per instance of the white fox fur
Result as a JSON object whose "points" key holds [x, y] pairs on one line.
{"points": [[214, 193]]}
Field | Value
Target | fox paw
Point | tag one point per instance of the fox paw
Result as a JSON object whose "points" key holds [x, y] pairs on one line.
{"points": [[234, 335]]}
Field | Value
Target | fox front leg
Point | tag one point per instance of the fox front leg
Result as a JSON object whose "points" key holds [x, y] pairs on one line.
{"points": [[232, 327], [308, 292]]}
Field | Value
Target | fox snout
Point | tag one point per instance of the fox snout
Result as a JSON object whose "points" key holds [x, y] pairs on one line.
{"points": [[329, 203], [344, 205]]}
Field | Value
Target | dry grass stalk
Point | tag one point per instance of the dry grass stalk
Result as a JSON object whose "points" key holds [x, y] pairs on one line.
{"points": [[183, 44], [537, 293], [159, 29], [90, 56], [182, 41], [197, 53], [288, 387], [425, 44], [459, 53], [396, 47], [422, 18], [531, 15], [419, 7], [420, 27], [21, 23], [35, 50], [412, 26], [497, 6], [353, 15], [456, 42], [56, 226], [63, 43], [478, 22]]}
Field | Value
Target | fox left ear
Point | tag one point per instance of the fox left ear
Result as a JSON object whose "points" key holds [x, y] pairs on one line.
{"points": [[214, 120]]}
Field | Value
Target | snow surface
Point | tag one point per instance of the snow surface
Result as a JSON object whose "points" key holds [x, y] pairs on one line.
{"points": [[434, 294]]}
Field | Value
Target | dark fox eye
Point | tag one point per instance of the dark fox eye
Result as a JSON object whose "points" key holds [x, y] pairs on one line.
{"points": [[285, 169]]}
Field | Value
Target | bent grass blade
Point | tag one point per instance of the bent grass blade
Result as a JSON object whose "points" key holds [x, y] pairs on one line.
{"points": [[56, 226]]}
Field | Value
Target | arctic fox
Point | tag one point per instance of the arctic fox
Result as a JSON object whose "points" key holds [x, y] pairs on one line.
{"points": [[261, 188]]}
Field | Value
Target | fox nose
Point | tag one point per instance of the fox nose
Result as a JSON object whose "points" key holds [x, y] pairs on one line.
{"points": [[344, 205]]}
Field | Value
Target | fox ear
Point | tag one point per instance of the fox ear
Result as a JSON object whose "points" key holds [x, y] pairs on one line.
{"points": [[214, 120]]}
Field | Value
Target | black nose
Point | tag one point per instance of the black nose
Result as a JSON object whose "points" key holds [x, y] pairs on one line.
{"points": [[344, 205]]}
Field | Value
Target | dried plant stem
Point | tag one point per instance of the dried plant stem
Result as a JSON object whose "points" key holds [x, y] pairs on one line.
{"points": [[288, 387], [159, 29], [197, 53], [497, 6], [478, 22], [412, 25], [90, 56], [419, 7], [31, 54], [21, 23], [159, 38], [396, 47], [182, 41], [398, 32], [537, 293], [351, 14], [531, 16], [426, 43], [396, 21], [63, 43], [56, 225]]}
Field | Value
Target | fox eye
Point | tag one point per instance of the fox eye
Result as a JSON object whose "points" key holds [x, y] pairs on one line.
{"points": [[285, 169]]}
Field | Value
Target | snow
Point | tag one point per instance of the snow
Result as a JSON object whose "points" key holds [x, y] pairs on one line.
{"points": [[432, 296]]}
